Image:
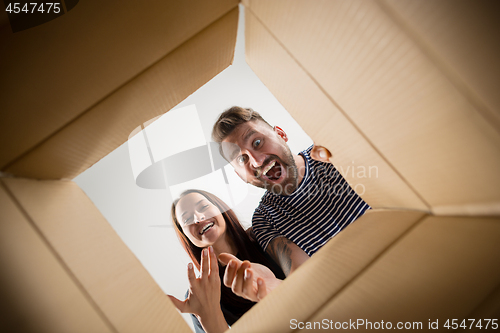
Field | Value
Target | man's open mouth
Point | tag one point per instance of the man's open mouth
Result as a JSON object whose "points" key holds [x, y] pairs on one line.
{"points": [[273, 171], [207, 227]]}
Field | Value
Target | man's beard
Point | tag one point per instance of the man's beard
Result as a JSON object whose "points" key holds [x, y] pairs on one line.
{"points": [[290, 183]]}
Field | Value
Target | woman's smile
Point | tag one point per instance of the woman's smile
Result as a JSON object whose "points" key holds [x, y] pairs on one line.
{"points": [[202, 221], [206, 228]]}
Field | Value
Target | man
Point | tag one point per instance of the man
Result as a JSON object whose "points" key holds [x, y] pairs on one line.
{"points": [[307, 200]]}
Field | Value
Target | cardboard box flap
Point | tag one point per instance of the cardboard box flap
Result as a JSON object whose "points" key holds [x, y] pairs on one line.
{"points": [[55, 72], [366, 170], [37, 293], [329, 271], [105, 126], [398, 97], [462, 37], [95, 255], [444, 268]]}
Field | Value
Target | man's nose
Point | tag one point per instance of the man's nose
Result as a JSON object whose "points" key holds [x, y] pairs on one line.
{"points": [[256, 160]]}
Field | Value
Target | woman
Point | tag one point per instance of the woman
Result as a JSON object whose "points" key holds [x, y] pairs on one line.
{"points": [[206, 228]]}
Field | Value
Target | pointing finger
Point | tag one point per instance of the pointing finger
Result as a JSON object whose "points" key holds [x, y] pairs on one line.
{"points": [[237, 285], [261, 289], [248, 290], [224, 259], [230, 273]]}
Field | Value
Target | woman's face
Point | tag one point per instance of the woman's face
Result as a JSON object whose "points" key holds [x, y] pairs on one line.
{"points": [[201, 221]]}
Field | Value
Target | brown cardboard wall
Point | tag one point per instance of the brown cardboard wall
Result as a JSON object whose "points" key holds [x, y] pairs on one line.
{"points": [[329, 271], [95, 133], [462, 38], [489, 308], [391, 266], [392, 91], [96, 258], [37, 291], [445, 268], [68, 65], [354, 155]]}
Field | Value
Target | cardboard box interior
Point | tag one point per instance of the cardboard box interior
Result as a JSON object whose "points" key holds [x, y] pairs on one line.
{"points": [[407, 88]]}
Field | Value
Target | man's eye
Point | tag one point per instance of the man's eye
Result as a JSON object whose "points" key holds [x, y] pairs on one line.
{"points": [[240, 159], [256, 143]]}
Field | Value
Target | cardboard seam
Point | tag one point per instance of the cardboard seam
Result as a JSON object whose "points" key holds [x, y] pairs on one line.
{"points": [[461, 213], [84, 112], [451, 75], [58, 258], [406, 209], [345, 115], [368, 266], [492, 295]]}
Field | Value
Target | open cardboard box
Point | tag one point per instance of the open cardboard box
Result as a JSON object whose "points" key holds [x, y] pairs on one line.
{"points": [[407, 86]]}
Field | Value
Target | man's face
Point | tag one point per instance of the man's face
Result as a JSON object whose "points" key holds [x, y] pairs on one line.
{"points": [[261, 157]]}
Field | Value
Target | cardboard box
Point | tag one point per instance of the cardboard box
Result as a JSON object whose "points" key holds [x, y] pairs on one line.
{"points": [[407, 87]]}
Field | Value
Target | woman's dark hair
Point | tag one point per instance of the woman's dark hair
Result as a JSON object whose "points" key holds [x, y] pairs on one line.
{"points": [[246, 246]]}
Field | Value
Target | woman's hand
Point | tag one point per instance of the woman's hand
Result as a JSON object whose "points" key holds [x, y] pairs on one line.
{"points": [[248, 280], [204, 294]]}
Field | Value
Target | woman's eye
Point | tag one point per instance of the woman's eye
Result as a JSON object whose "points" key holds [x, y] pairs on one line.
{"points": [[241, 159], [188, 221], [256, 143], [204, 208]]}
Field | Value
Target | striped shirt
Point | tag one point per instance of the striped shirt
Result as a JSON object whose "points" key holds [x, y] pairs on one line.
{"points": [[316, 211]]}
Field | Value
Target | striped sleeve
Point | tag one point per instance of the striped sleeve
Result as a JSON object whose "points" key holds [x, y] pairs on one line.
{"points": [[264, 230]]}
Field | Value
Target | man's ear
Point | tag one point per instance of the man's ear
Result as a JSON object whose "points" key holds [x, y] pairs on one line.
{"points": [[281, 133]]}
